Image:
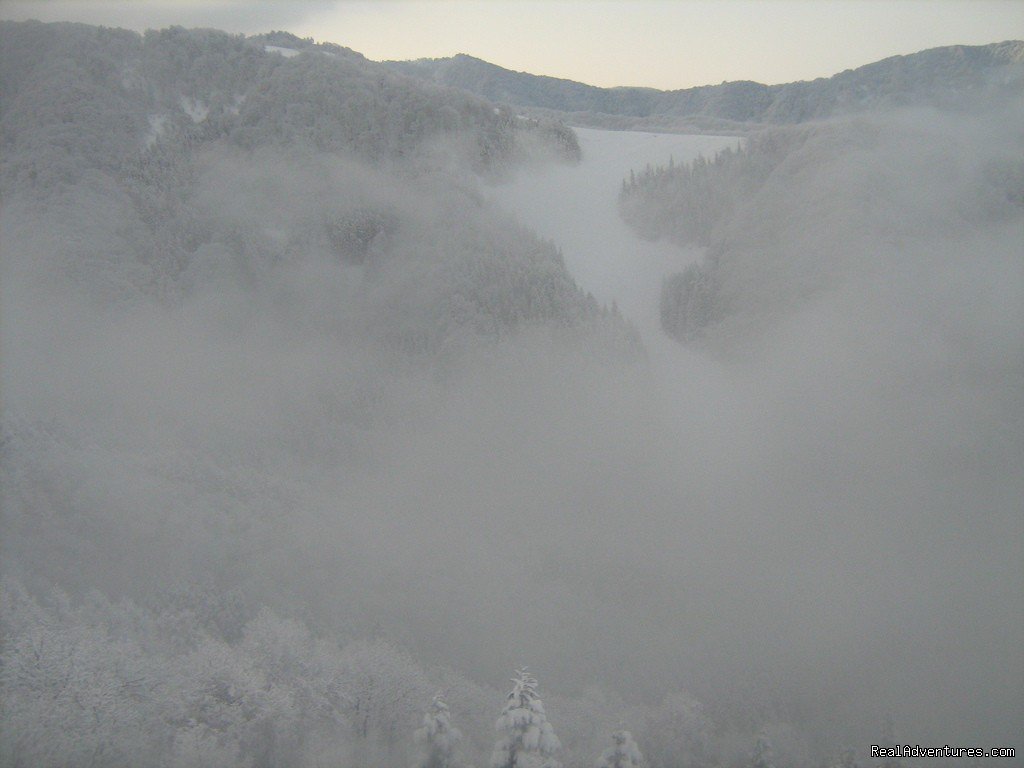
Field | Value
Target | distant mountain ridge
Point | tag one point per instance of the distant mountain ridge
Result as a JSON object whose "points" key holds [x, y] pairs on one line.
{"points": [[944, 76]]}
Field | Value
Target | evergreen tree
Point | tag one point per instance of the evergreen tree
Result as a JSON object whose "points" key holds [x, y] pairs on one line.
{"points": [[527, 739], [437, 738], [625, 753]]}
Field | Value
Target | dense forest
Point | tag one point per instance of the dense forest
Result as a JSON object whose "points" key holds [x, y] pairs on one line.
{"points": [[767, 211]]}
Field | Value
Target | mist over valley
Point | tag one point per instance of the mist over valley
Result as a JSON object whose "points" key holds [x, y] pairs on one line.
{"points": [[334, 394]]}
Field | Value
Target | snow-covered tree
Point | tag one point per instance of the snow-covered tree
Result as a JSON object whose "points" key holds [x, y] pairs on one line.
{"points": [[437, 738], [527, 739], [625, 753], [382, 684]]}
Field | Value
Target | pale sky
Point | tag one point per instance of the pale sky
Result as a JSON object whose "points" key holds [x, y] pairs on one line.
{"points": [[658, 43]]}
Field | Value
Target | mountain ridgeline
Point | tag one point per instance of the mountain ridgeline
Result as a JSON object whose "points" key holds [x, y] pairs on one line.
{"points": [[935, 77]]}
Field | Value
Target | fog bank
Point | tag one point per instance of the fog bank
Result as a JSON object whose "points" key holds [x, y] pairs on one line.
{"points": [[836, 499]]}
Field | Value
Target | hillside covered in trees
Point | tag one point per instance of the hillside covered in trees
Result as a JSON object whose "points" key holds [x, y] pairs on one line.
{"points": [[797, 211], [938, 77], [238, 279], [152, 166], [870, 269]]}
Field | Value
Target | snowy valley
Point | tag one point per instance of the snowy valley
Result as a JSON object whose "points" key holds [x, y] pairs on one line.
{"points": [[334, 395]]}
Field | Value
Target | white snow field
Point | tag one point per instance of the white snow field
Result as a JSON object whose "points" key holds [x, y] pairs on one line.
{"points": [[576, 206]]}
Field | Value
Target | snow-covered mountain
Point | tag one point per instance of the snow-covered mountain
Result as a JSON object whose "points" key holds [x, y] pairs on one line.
{"points": [[244, 281], [116, 145], [301, 425], [936, 77]]}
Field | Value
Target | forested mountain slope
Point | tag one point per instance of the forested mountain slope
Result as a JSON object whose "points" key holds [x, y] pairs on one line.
{"points": [[799, 211], [934, 77], [147, 160], [239, 282], [870, 269]]}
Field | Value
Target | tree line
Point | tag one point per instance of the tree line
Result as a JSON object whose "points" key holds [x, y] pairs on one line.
{"points": [[200, 678]]}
